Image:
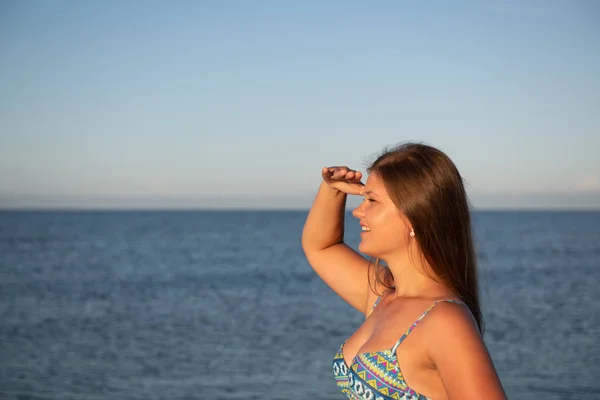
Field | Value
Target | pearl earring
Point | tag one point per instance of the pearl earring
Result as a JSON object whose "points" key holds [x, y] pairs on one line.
{"points": [[412, 233]]}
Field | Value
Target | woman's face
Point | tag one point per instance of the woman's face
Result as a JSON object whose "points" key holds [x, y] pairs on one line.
{"points": [[385, 230]]}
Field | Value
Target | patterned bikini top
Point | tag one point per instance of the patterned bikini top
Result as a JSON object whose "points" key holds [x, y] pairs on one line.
{"points": [[376, 375]]}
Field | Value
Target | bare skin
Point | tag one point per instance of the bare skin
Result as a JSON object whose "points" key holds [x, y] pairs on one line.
{"points": [[445, 356]]}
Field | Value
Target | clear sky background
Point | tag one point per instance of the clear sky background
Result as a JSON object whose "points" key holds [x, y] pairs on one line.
{"points": [[240, 103]]}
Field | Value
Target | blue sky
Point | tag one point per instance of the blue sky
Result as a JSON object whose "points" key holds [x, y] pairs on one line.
{"points": [[240, 103]]}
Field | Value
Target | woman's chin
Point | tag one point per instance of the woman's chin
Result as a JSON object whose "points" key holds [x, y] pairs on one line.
{"points": [[364, 249]]}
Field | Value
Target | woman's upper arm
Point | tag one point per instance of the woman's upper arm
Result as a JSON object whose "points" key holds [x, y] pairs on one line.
{"points": [[345, 271], [460, 355]]}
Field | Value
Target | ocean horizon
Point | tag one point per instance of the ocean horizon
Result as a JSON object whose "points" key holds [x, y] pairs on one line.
{"points": [[209, 303]]}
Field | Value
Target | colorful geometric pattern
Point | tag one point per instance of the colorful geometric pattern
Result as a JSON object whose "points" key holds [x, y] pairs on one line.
{"points": [[376, 375]]}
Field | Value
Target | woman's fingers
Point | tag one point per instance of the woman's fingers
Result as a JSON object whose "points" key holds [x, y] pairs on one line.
{"points": [[339, 172], [344, 179]]}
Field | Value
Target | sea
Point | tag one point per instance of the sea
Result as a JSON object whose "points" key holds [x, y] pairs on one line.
{"points": [[223, 305]]}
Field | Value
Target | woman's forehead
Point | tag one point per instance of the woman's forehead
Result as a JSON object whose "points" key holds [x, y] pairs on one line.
{"points": [[374, 185], [373, 180]]}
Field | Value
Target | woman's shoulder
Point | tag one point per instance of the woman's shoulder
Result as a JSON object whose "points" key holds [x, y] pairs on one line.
{"points": [[450, 331], [450, 319], [456, 349]]}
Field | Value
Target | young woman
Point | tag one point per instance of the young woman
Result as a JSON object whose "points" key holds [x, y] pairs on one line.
{"points": [[422, 336]]}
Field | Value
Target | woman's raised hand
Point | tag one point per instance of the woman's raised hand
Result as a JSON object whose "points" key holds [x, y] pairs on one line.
{"points": [[344, 179]]}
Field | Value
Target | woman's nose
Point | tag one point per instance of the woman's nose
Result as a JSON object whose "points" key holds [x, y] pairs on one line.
{"points": [[359, 211]]}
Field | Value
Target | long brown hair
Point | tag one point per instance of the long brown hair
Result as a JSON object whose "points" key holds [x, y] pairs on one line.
{"points": [[426, 186]]}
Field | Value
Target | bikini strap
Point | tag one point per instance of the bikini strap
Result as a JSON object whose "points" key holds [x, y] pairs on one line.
{"points": [[375, 305], [409, 330]]}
